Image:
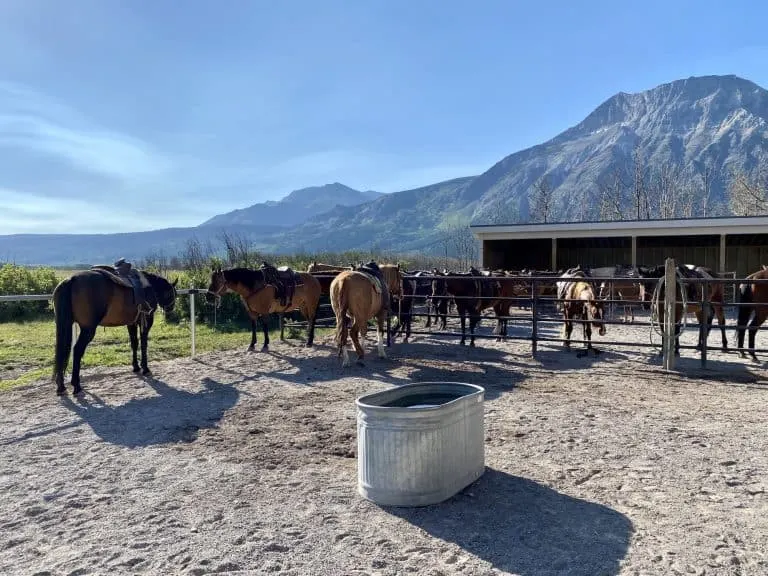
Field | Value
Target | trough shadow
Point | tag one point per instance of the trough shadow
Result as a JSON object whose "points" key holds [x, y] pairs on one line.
{"points": [[172, 416], [526, 528]]}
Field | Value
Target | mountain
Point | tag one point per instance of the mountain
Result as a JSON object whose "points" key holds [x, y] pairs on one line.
{"points": [[680, 134], [713, 123], [298, 206]]}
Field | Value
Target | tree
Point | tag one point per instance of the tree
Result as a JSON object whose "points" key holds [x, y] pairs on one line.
{"points": [[500, 211], [748, 193], [542, 200], [611, 195]]}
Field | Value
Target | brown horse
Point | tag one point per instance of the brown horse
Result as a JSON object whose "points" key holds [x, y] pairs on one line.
{"points": [[325, 273], [98, 297], [581, 301], [262, 296], [753, 298], [357, 296]]}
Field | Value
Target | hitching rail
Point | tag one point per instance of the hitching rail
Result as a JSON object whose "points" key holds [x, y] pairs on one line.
{"points": [[534, 318]]}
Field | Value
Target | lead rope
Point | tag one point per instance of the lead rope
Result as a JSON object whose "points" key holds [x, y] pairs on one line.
{"points": [[655, 323]]}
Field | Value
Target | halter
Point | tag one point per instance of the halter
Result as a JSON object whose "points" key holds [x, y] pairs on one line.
{"points": [[221, 289]]}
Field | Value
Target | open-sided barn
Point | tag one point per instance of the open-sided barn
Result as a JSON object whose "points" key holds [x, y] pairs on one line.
{"points": [[728, 245]]}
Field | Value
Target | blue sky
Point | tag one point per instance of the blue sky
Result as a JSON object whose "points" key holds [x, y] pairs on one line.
{"points": [[141, 114]]}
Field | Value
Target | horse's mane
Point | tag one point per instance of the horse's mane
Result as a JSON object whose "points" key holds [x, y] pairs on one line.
{"points": [[244, 276], [393, 278]]}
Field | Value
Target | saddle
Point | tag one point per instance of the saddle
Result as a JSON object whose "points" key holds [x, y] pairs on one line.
{"points": [[284, 280], [373, 271], [143, 294]]}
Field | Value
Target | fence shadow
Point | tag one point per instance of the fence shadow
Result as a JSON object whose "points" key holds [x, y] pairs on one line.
{"points": [[172, 416], [526, 528]]}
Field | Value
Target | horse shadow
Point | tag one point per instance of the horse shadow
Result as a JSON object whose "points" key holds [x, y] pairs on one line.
{"points": [[527, 528], [172, 416], [688, 366], [487, 367], [575, 359]]}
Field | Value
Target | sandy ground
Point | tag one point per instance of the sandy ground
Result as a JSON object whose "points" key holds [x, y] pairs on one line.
{"points": [[246, 464]]}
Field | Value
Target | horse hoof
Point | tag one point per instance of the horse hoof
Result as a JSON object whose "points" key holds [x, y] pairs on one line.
{"points": [[360, 363], [61, 391], [471, 344], [146, 372], [77, 390], [265, 348], [250, 349], [136, 368]]}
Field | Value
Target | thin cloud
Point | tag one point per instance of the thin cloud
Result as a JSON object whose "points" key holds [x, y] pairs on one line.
{"points": [[35, 122]]}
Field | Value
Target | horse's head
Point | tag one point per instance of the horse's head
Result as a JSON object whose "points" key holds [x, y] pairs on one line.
{"points": [[164, 291], [649, 279], [216, 287]]}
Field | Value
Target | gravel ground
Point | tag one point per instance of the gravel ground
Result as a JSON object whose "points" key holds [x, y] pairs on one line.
{"points": [[245, 464]]}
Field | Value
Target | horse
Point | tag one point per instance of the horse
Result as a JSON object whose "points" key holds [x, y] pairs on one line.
{"points": [[266, 291], [403, 308], [509, 287], [99, 297], [694, 295], [580, 301], [471, 295], [753, 298], [325, 273], [357, 295], [627, 288]]}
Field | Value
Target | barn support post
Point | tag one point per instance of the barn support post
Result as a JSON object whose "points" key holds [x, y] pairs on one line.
{"points": [[553, 263], [634, 251], [722, 253], [534, 327], [192, 293], [670, 296]]}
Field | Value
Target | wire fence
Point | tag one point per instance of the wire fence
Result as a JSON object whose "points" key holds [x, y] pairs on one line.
{"points": [[538, 312]]}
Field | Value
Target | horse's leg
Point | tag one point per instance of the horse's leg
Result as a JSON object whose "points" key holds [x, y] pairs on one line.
{"points": [[144, 338], [86, 335], [311, 315], [757, 320], [133, 335], [264, 319], [354, 334], [254, 339], [381, 319], [744, 313], [700, 319], [282, 326], [721, 323], [568, 327], [474, 320], [461, 312]]}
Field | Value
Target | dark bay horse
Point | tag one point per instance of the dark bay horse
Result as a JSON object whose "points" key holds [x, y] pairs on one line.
{"points": [[694, 294], [98, 297], [753, 298], [261, 295], [471, 295], [626, 287], [580, 301]]}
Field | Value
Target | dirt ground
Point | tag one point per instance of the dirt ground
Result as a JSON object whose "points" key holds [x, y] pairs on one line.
{"points": [[236, 463]]}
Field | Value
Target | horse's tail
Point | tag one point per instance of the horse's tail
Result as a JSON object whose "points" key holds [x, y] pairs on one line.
{"points": [[745, 297], [340, 305], [62, 306]]}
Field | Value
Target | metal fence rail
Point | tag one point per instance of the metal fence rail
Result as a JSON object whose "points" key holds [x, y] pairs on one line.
{"points": [[536, 318]]}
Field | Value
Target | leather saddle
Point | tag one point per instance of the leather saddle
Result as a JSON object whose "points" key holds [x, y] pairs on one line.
{"points": [[143, 293], [284, 280], [374, 273]]}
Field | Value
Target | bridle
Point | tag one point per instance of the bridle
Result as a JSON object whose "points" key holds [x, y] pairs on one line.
{"points": [[223, 288]]}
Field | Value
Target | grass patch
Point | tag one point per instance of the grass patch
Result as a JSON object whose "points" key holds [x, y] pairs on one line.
{"points": [[26, 348]]}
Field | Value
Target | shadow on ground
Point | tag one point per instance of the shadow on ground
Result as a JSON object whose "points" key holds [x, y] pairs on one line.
{"points": [[526, 528], [171, 416]]}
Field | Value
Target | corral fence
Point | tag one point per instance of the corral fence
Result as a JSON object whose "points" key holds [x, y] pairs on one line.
{"points": [[539, 297]]}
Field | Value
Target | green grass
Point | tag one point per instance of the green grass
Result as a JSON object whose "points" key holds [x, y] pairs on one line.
{"points": [[26, 348]]}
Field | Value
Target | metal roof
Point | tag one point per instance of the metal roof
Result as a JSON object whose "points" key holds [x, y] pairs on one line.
{"points": [[667, 227]]}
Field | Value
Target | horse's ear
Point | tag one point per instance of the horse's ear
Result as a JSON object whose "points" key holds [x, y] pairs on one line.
{"points": [[175, 282]]}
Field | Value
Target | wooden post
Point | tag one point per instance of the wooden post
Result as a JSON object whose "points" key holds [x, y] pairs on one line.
{"points": [[722, 253], [634, 251], [553, 264], [670, 297]]}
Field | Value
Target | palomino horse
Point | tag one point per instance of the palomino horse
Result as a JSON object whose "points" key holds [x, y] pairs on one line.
{"points": [[753, 298], [581, 301], [268, 290], [694, 296], [357, 295], [98, 297]]}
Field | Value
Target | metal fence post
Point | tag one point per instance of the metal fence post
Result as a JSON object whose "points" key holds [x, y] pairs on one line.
{"points": [[534, 325], [192, 294], [670, 294]]}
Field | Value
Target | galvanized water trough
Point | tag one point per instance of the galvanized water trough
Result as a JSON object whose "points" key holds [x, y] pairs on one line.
{"points": [[421, 443]]}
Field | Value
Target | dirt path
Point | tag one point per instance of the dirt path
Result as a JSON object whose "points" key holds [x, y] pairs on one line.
{"points": [[245, 464]]}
